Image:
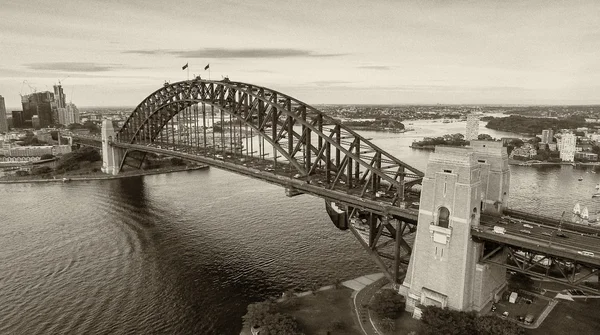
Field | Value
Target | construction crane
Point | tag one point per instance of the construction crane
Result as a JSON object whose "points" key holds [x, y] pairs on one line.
{"points": [[59, 82], [31, 88]]}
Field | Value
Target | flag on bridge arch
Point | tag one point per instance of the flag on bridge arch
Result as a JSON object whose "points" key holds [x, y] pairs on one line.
{"points": [[207, 66], [185, 66]]}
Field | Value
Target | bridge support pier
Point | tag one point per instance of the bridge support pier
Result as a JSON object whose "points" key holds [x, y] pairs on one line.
{"points": [[444, 268], [111, 156]]}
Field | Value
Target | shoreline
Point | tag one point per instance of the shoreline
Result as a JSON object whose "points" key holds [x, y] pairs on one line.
{"points": [[525, 163], [105, 176]]}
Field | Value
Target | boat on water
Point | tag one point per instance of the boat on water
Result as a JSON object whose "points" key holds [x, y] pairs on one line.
{"points": [[577, 209], [585, 214], [580, 178], [597, 194]]}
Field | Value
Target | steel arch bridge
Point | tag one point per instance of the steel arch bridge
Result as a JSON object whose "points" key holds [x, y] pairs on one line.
{"points": [[265, 134], [323, 144], [270, 136]]}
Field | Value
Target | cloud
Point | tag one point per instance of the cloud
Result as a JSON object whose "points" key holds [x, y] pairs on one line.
{"points": [[221, 53], [71, 67], [145, 52], [375, 67]]}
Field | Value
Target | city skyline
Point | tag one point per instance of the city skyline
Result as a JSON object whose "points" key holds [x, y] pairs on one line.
{"points": [[379, 52]]}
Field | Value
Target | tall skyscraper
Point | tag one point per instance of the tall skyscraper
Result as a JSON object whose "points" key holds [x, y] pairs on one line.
{"points": [[547, 136], [41, 104], [73, 113], [17, 117], [472, 127], [59, 97], [3, 121]]}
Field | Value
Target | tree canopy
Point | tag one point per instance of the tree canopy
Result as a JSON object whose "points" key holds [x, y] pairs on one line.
{"points": [[438, 321], [533, 125]]}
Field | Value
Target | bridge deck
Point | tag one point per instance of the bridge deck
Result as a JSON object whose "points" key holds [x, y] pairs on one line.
{"points": [[284, 175], [541, 238]]}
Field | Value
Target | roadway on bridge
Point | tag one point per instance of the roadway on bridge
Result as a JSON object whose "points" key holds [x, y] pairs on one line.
{"points": [[547, 239], [283, 174]]}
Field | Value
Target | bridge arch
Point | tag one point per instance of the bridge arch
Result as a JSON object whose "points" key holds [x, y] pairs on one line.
{"points": [[324, 144]]}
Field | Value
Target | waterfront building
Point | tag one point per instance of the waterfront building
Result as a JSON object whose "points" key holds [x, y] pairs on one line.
{"points": [[61, 149], [547, 136], [566, 146], [527, 150], [30, 151], [590, 156], [472, 131], [3, 119]]}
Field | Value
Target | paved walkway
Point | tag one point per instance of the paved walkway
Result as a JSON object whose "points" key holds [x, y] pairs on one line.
{"points": [[364, 288]]}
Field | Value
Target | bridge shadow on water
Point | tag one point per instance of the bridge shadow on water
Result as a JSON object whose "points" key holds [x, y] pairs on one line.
{"points": [[183, 266]]}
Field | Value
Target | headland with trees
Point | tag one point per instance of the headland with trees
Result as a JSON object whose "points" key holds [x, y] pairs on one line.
{"points": [[85, 163]]}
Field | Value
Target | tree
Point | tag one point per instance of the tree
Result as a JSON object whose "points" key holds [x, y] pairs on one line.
{"points": [[271, 322], [485, 137], [493, 325], [388, 324], [438, 321], [521, 281], [257, 313], [276, 324], [388, 304], [176, 161], [70, 161], [41, 170]]}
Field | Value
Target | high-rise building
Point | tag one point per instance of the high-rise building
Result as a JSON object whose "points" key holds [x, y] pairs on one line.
{"points": [[41, 104], [35, 122], [566, 146], [59, 96], [547, 136], [472, 127], [18, 121], [73, 112], [3, 121]]}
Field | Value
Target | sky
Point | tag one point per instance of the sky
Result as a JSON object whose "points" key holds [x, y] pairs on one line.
{"points": [[117, 52]]}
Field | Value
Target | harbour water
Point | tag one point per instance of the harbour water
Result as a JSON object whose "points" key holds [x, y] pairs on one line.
{"points": [[185, 253]]}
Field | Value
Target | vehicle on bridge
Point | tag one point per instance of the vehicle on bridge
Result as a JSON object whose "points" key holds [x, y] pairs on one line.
{"points": [[499, 230], [586, 253]]}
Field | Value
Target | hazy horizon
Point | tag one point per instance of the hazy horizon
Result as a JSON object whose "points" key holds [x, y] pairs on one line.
{"points": [[382, 52]]}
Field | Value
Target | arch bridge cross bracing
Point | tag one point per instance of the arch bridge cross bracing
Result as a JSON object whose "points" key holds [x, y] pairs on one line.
{"points": [[216, 117]]}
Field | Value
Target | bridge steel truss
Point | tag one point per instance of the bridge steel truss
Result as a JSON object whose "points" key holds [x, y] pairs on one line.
{"points": [[305, 145], [385, 241], [568, 270], [299, 135]]}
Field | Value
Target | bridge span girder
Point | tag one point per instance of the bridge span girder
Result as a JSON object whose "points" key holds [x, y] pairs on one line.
{"points": [[299, 135]]}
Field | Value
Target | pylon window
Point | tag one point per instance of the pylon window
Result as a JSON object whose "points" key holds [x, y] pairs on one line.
{"points": [[443, 217]]}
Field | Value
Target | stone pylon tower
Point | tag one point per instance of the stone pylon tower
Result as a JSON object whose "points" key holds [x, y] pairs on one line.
{"points": [[111, 156], [444, 268]]}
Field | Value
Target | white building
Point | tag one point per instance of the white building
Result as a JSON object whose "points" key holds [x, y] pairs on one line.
{"points": [[472, 127], [567, 146]]}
